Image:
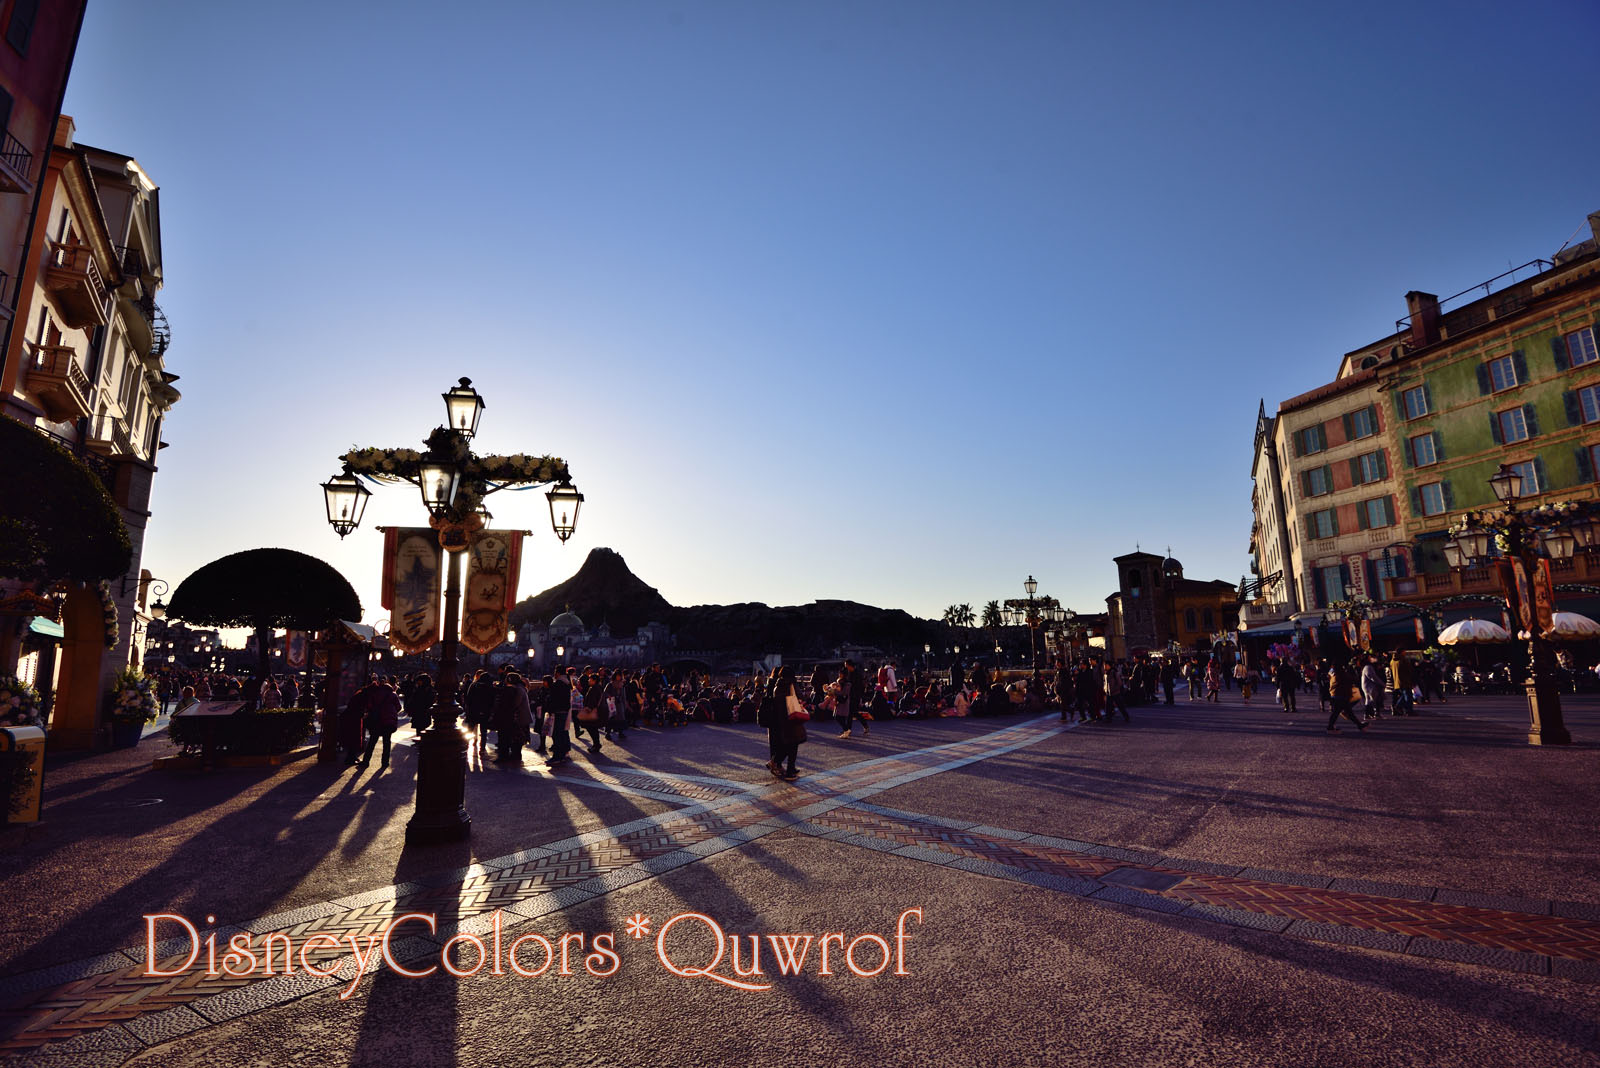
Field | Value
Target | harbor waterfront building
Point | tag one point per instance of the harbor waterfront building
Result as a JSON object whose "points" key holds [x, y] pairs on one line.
{"points": [[1357, 482]]}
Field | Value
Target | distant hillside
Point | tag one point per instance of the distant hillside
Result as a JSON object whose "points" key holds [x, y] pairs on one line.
{"points": [[605, 591]]}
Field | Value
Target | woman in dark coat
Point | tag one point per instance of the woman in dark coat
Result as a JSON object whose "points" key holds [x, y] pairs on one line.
{"points": [[783, 734]]}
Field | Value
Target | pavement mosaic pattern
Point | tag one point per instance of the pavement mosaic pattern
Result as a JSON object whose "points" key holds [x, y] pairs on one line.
{"points": [[109, 1007]]}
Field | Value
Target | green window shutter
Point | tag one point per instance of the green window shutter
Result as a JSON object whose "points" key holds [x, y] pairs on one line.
{"points": [[1416, 502], [1438, 446], [1484, 386], [1449, 496], [1532, 417], [1521, 364], [1349, 426], [1494, 428], [1569, 401], [1539, 472], [1361, 516], [1406, 455], [1383, 463], [1355, 471], [1372, 417], [1388, 510], [1294, 444], [1585, 465], [1427, 396], [1558, 349]]}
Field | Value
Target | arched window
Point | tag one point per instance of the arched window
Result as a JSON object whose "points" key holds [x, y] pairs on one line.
{"points": [[1188, 619]]}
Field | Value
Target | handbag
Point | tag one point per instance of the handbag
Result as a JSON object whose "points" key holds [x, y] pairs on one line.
{"points": [[794, 732], [797, 711], [588, 717]]}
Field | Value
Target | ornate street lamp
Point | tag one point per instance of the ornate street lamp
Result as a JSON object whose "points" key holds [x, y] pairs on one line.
{"points": [[1031, 584], [1507, 484], [565, 501], [345, 498], [453, 483], [439, 480], [158, 610], [462, 407], [1521, 535]]}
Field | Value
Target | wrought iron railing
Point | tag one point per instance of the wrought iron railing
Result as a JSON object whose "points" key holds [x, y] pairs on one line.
{"points": [[15, 154]]}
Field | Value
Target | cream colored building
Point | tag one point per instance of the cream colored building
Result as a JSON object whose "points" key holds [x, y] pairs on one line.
{"points": [[86, 365]]}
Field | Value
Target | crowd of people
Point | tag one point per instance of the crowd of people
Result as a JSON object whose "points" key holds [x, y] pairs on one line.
{"points": [[591, 705]]}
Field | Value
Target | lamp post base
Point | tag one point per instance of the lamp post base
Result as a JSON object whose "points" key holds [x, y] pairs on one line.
{"points": [[1545, 724], [441, 814]]}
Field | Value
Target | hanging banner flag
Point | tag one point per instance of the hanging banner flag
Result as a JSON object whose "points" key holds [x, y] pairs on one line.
{"points": [[1421, 634], [1366, 634], [1526, 613], [411, 559], [1352, 637], [295, 641], [493, 561], [1544, 598]]}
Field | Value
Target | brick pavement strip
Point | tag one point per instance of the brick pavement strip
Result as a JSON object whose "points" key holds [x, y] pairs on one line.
{"points": [[531, 883], [110, 1006]]}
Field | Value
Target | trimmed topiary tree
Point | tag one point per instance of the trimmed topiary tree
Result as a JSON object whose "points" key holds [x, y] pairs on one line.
{"points": [[265, 589]]}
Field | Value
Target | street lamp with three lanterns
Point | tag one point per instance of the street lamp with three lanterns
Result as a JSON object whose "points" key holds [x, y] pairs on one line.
{"points": [[1031, 612], [1521, 537], [453, 483]]}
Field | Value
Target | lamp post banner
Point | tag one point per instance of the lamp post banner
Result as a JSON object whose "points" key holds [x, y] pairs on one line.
{"points": [[295, 642], [493, 560], [411, 587], [1525, 608], [1544, 598]]}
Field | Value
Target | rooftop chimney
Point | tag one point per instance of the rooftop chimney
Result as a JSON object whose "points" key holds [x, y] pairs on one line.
{"points": [[1424, 309]]}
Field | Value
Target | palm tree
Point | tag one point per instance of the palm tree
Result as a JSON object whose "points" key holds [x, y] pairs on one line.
{"points": [[959, 615], [991, 616]]}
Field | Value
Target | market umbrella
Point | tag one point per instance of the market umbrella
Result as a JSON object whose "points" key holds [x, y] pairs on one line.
{"points": [[1572, 626], [1473, 632]]}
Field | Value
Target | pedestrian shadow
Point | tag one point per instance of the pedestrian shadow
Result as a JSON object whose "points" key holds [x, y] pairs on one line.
{"points": [[1458, 990]]}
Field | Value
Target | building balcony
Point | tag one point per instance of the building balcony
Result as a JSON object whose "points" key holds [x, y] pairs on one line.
{"points": [[16, 166], [1426, 588], [147, 329], [75, 285], [109, 436], [59, 381]]}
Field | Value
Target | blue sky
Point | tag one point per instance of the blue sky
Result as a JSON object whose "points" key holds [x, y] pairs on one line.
{"points": [[894, 302]]}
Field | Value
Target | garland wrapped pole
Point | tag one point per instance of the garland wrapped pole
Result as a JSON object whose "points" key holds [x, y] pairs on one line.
{"points": [[454, 484]]}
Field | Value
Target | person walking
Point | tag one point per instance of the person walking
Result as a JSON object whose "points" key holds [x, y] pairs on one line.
{"points": [[850, 696], [1213, 679], [1342, 688], [418, 701], [291, 693], [1169, 678], [1372, 687], [1402, 678], [382, 718], [1287, 676], [1115, 696], [588, 710], [779, 712], [513, 717], [557, 710]]}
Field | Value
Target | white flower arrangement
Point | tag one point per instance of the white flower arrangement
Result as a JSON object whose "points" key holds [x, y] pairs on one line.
{"points": [[19, 703], [133, 697]]}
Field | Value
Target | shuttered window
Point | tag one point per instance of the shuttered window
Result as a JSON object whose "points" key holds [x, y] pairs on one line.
{"points": [[1502, 374], [1415, 401], [1589, 403], [1423, 453], [1580, 347], [1432, 498]]}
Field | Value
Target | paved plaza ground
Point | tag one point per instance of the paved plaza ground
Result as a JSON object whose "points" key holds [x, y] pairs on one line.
{"points": [[1208, 884]]}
